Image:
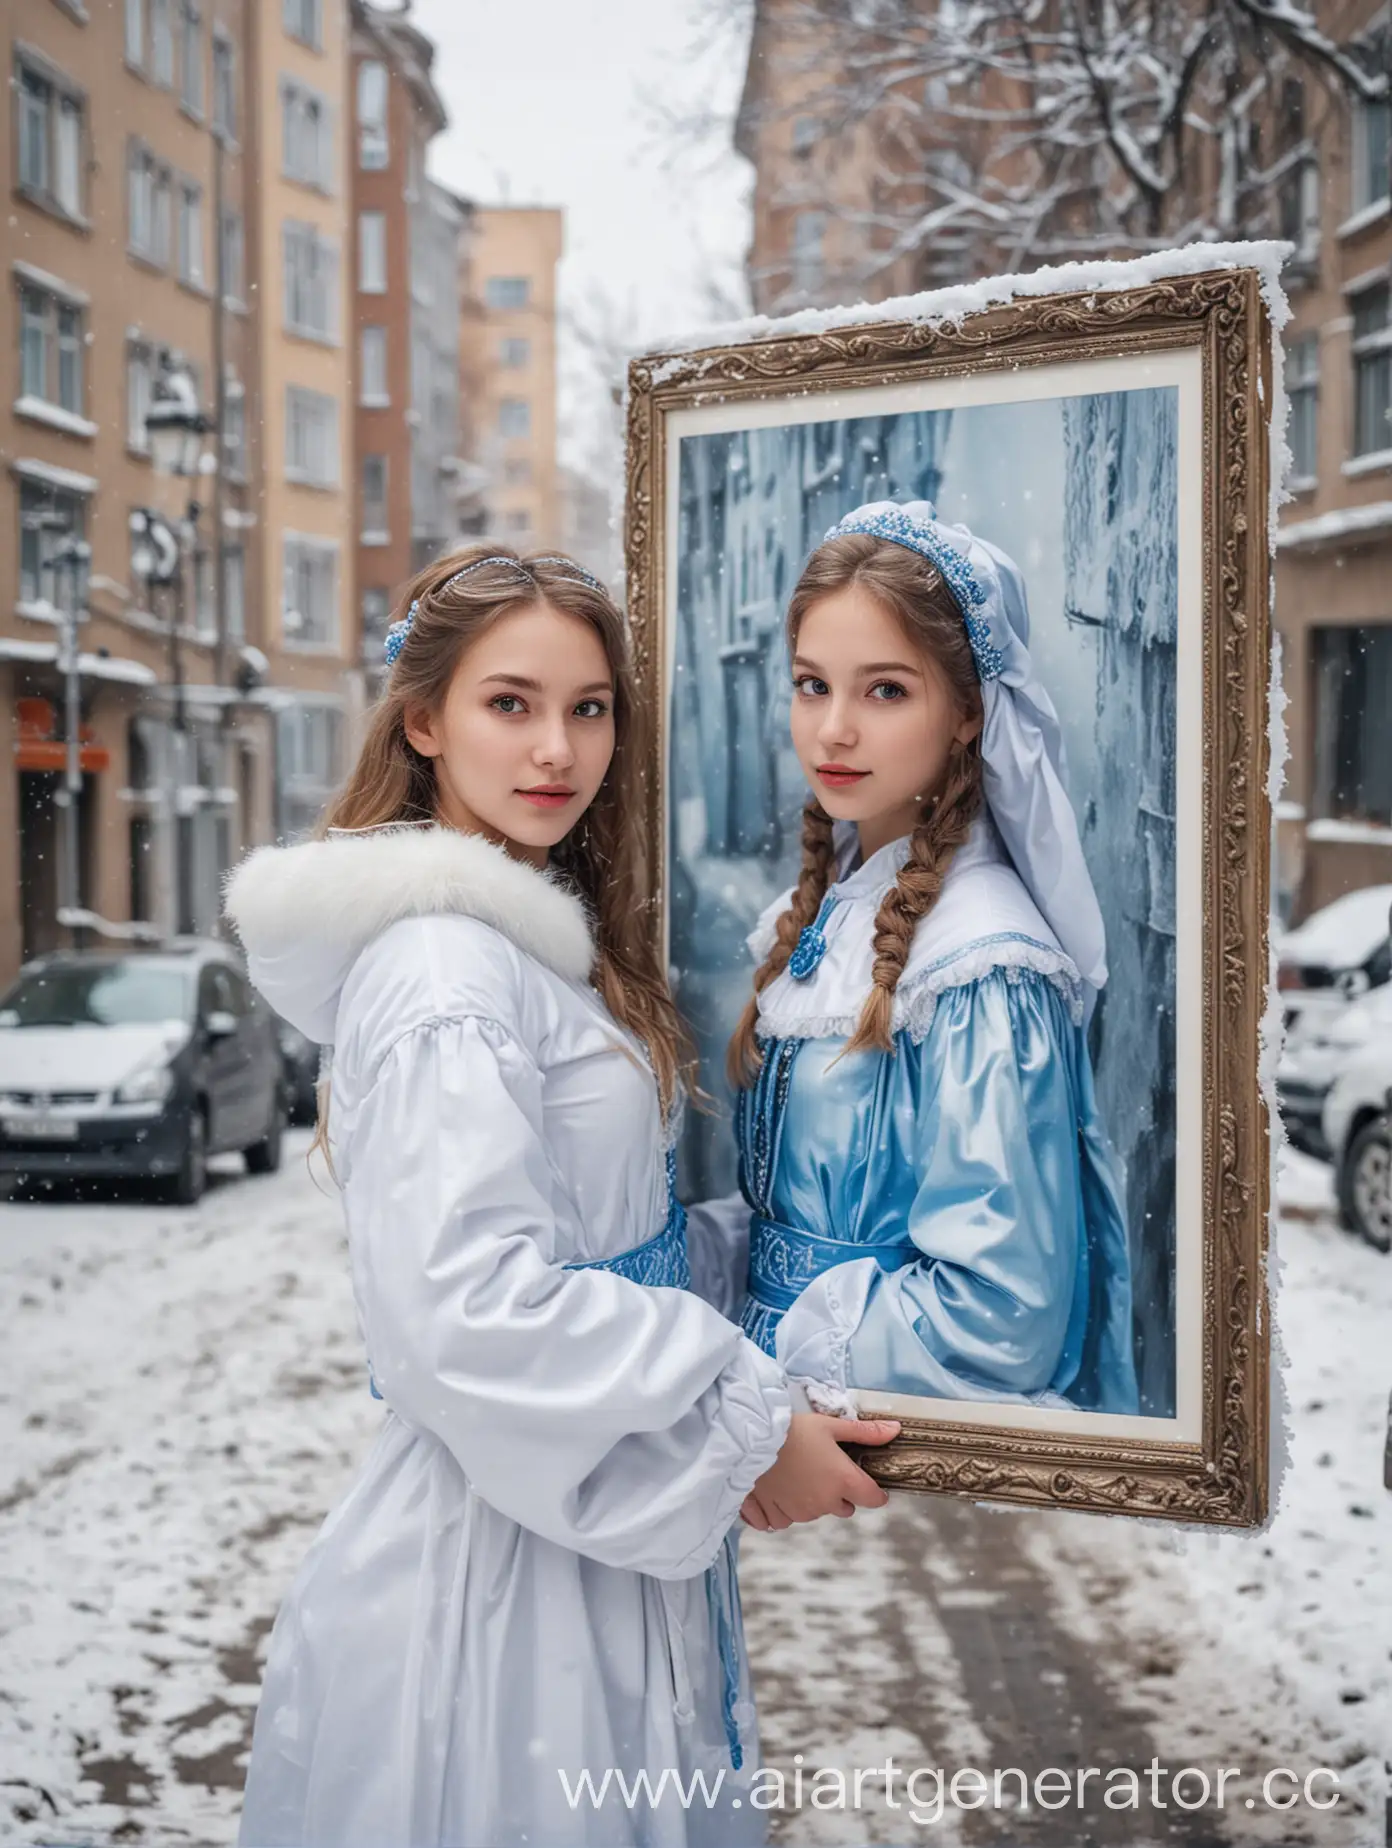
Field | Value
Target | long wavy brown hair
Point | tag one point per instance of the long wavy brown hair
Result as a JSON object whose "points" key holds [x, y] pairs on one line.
{"points": [[917, 595], [602, 857]]}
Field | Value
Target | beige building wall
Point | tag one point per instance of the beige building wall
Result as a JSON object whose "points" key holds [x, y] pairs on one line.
{"points": [[306, 515], [73, 243], [508, 369]]}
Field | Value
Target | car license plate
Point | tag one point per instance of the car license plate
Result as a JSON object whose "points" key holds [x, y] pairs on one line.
{"points": [[42, 1128]]}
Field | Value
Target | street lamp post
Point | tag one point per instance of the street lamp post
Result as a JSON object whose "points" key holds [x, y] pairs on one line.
{"points": [[176, 426], [71, 560]]}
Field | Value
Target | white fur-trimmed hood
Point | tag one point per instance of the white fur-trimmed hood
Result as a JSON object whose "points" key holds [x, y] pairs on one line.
{"points": [[306, 913]]}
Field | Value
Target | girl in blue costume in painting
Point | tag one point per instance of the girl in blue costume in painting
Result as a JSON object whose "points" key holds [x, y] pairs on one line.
{"points": [[934, 1210]]}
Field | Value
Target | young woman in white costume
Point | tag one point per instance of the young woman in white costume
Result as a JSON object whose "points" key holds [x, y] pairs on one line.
{"points": [[934, 1210], [532, 1575]]}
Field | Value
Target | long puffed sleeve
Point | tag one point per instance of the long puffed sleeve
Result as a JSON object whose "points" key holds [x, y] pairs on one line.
{"points": [[624, 1422], [996, 1306]]}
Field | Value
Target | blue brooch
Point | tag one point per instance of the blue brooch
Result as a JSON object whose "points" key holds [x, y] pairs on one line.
{"points": [[900, 527], [811, 945]]}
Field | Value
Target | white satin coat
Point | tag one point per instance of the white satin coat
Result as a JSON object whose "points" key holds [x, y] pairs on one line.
{"points": [[515, 1585]]}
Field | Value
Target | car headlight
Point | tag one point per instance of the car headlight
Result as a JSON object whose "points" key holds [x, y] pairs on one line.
{"points": [[149, 1086]]}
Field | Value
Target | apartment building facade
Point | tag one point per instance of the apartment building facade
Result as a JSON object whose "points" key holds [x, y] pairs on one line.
{"points": [[508, 359], [124, 171], [301, 192], [822, 234], [408, 233]]}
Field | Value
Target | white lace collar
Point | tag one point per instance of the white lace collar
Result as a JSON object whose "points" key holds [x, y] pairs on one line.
{"points": [[984, 919]]}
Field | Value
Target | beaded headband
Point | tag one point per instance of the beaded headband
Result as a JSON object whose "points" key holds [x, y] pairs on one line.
{"points": [[395, 639], [926, 539]]}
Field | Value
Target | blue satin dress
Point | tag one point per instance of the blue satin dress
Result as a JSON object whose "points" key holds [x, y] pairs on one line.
{"points": [[943, 1220]]}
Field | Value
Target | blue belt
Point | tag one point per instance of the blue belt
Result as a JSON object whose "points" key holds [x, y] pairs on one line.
{"points": [[660, 1261], [784, 1259]]}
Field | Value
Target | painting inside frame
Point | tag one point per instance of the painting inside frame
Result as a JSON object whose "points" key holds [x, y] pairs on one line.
{"points": [[1086, 474], [1118, 441]]}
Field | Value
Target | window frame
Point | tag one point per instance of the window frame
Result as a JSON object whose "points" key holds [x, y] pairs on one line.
{"points": [[1372, 349], [374, 400], [299, 550], [379, 220], [190, 266], [379, 534], [312, 438], [309, 278], [314, 38], [1302, 381], [55, 99], [34, 542], [374, 128], [507, 294], [299, 103], [191, 75], [43, 310]]}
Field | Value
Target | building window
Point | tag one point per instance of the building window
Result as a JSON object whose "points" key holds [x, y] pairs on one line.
{"points": [[135, 32], [375, 528], [1302, 390], [309, 611], [52, 342], [372, 386], [376, 614], [204, 596], [809, 232], [514, 417], [372, 253], [1372, 351], [807, 131], [514, 353], [507, 291], [190, 233], [234, 592], [309, 755], [1370, 163], [225, 86], [234, 456], [303, 20], [1353, 741], [1299, 208], [162, 41], [140, 375], [50, 125], [232, 256], [311, 437], [373, 147], [311, 282], [191, 58], [149, 185], [306, 143], [47, 516]]}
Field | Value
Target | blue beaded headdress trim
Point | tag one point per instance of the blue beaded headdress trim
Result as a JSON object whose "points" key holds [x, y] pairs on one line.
{"points": [[395, 638], [902, 529]]}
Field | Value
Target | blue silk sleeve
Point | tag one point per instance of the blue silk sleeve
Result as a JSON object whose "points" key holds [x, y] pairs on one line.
{"points": [[985, 1115]]}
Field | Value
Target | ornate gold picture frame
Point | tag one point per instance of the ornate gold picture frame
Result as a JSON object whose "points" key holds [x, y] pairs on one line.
{"points": [[726, 442]]}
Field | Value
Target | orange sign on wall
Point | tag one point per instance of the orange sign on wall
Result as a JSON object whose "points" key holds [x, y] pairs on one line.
{"points": [[40, 745]]}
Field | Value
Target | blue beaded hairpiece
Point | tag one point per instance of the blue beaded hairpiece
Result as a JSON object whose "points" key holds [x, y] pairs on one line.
{"points": [[395, 639], [902, 529]]}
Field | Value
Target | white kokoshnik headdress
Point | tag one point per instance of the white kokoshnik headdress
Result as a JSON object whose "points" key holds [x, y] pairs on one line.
{"points": [[1021, 742], [395, 639]]}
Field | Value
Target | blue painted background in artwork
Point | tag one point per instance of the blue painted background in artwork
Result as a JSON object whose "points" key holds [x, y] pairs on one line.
{"points": [[1082, 492]]}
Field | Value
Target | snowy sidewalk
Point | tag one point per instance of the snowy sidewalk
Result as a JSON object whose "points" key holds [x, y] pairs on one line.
{"points": [[185, 1396]]}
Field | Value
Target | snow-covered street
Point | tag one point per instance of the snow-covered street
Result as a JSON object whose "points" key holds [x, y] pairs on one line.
{"points": [[185, 1396]]}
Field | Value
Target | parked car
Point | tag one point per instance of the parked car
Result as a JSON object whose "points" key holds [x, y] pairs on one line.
{"points": [[1356, 1124], [138, 1065], [1338, 953], [300, 1058]]}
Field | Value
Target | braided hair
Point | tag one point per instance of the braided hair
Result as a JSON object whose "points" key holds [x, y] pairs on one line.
{"points": [[916, 593]]}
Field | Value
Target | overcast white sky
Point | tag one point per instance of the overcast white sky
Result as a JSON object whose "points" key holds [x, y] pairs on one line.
{"points": [[552, 103]]}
